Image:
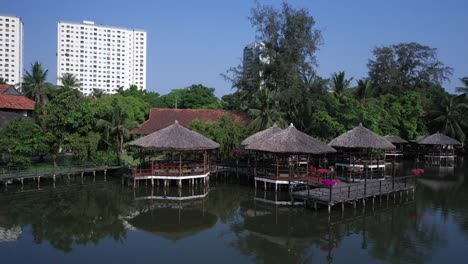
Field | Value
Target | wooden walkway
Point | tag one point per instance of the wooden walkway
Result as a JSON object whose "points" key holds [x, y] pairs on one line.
{"points": [[8, 176], [343, 193]]}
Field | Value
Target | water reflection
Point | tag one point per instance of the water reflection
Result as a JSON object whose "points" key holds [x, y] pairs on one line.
{"points": [[242, 223]]}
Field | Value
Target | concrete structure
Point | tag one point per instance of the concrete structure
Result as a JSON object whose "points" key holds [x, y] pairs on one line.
{"points": [[102, 57], [11, 49], [254, 56]]}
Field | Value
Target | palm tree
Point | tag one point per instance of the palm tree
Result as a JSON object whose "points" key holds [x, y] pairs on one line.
{"points": [[265, 110], [116, 128], [463, 90], [35, 86], [69, 81], [97, 93], [450, 117], [2, 81], [340, 85], [364, 90]]}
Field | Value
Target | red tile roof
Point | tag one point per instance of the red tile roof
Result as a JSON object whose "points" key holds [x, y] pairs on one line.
{"points": [[16, 102], [4, 87], [163, 117]]}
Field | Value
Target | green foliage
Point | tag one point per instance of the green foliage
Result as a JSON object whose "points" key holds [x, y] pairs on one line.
{"points": [[195, 96], [406, 66], [20, 140], [85, 147], [450, 117], [68, 114], [228, 132], [151, 98], [135, 108]]}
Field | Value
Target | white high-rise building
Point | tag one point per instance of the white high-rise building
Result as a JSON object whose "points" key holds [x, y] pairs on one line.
{"points": [[11, 49], [102, 57]]}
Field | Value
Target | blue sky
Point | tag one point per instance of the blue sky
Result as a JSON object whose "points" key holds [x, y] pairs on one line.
{"points": [[197, 41]]}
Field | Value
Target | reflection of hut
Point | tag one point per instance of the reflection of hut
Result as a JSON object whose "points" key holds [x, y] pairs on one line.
{"points": [[281, 157], [399, 144], [190, 148], [439, 149], [173, 223], [360, 152]]}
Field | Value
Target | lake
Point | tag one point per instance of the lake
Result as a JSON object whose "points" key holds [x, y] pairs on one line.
{"points": [[230, 222]]}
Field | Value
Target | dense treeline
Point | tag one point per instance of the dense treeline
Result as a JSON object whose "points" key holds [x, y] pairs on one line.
{"points": [[93, 128], [402, 95]]}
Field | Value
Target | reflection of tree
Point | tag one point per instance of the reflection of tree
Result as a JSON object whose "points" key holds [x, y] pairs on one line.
{"points": [[447, 194], [277, 234], [397, 234], [78, 216]]}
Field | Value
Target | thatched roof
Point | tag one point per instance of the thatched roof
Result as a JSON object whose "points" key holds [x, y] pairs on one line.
{"points": [[261, 135], [176, 138], [361, 137], [291, 141], [395, 139], [438, 139]]}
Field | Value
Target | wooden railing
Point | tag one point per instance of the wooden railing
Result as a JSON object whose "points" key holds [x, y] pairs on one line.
{"points": [[354, 191], [170, 169]]}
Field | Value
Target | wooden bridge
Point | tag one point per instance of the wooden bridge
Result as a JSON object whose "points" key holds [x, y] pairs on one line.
{"points": [[342, 193], [8, 174]]}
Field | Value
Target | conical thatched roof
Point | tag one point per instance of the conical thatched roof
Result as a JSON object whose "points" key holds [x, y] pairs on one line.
{"points": [[395, 139], [438, 139], [261, 135], [175, 137], [291, 141], [361, 137]]}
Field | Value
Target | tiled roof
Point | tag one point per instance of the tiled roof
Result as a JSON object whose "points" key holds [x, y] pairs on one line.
{"points": [[4, 87], [160, 118], [16, 102]]}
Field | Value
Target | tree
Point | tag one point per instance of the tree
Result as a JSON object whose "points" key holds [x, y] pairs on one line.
{"points": [[68, 116], [340, 85], [463, 90], [21, 140], [152, 98], [116, 127], [2, 81], [450, 117], [196, 96], [364, 90], [406, 66], [265, 110], [70, 81], [228, 132], [35, 86], [289, 42]]}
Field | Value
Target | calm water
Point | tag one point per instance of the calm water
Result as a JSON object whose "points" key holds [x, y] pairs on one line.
{"points": [[105, 222]]}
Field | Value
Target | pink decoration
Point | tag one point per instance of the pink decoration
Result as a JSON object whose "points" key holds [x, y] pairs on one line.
{"points": [[323, 171], [238, 151], [417, 172], [330, 182]]}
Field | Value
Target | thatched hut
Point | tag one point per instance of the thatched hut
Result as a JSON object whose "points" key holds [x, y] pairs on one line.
{"points": [[175, 139], [358, 149], [439, 149], [399, 144], [286, 148], [262, 135]]}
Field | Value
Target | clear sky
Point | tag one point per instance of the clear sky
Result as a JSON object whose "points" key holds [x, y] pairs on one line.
{"points": [[196, 41]]}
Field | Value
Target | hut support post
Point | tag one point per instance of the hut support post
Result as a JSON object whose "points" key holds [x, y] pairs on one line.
{"points": [[180, 164], [277, 167]]}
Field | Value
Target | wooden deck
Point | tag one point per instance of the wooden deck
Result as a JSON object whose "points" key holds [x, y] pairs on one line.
{"points": [[342, 193]]}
